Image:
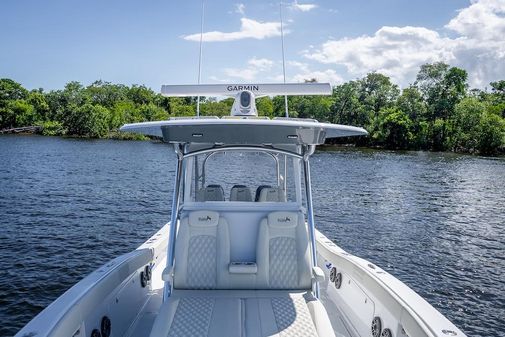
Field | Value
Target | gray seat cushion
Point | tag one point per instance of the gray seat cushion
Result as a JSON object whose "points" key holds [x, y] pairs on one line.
{"points": [[283, 255], [241, 313], [202, 251]]}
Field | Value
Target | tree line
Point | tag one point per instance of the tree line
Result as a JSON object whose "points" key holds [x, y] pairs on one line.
{"points": [[438, 112]]}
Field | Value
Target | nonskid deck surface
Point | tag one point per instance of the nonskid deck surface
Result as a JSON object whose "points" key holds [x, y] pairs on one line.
{"points": [[241, 313]]}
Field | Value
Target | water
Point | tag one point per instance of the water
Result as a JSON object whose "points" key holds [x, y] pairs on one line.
{"points": [[436, 221]]}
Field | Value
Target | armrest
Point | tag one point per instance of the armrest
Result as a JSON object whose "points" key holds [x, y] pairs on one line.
{"points": [[242, 268], [318, 274]]}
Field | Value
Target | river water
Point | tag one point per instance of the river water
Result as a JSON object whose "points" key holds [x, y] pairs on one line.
{"points": [[434, 220]]}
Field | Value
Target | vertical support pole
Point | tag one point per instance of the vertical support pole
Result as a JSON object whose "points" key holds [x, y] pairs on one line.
{"points": [[283, 60], [200, 59], [173, 220], [310, 212], [285, 187], [197, 176]]}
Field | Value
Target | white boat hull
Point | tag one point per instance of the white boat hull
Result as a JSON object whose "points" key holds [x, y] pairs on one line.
{"points": [[115, 291]]}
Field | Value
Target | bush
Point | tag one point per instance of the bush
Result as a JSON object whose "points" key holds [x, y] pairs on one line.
{"points": [[465, 125], [395, 129], [88, 120], [52, 128], [491, 135]]}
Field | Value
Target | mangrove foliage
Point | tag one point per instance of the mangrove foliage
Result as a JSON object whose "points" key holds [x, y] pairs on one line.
{"points": [[438, 111]]}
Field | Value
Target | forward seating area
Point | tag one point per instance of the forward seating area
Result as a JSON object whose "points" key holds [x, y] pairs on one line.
{"points": [[214, 295], [264, 193], [223, 313]]}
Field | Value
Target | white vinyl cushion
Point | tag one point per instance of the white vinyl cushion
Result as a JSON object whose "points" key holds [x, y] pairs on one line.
{"points": [[203, 218], [240, 193], [210, 193], [241, 313], [272, 194], [283, 219], [202, 252], [283, 255]]}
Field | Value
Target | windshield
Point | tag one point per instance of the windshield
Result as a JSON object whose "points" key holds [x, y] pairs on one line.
{"points": [[242, 176]]}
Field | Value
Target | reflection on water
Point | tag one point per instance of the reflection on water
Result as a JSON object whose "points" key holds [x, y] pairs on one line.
{"points": [[436, 221]]}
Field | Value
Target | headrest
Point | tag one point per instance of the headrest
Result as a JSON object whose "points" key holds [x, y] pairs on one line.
{"points": [[283, 219], [269, 194], [258, 191], [240, 193], [203, 218], [211, 193]]}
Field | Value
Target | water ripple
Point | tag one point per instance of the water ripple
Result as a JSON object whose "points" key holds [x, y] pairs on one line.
{"points": [[436, 221]]}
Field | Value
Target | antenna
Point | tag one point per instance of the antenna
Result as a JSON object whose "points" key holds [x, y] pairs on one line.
{"points": [[283, 61], [200, 59]]}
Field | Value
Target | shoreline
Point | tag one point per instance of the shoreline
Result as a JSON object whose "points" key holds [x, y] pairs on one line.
{"points": [[323, 148]]}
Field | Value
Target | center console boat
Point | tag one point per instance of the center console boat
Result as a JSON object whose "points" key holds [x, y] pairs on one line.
{"points": [[241, 255]]}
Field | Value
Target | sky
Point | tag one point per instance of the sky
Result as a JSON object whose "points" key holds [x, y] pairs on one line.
{"points": [[45, 44]]}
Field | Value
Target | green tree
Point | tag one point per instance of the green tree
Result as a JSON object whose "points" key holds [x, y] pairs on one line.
{"points": [[10, 92], [88, 120], [466, 125], [491, 136], [411, 103], [123, 112], [214, 108], [38, 101], [105, 94], [376, 91], [265, 106], [24, 112], [53, 128], [436, 134], [442, 88], [279, 106], [498, 87], [346, 107], [395, 129], [151, 112], [314, 107], [180, 107], [140, 94]]}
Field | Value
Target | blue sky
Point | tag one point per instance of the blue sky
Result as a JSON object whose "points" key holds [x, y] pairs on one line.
{"points": [[49, 43]]}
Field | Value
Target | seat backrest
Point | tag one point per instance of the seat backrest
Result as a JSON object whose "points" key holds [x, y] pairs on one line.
{"points": [[240, 193], [202, 251], [210, 193], [271, 194], [283, 254], [258, 191]]}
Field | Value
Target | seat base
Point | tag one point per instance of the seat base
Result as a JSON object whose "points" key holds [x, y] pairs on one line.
{"points": [[252, 313]]}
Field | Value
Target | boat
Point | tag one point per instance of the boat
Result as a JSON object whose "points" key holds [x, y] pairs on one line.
{"points": [[241, 254]]}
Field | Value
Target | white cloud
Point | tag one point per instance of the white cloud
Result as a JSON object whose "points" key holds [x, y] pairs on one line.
{"points": [[244, 74], [261, 64], [399, 51], [254, 67], [299, 65], [219, 79], [394, 51], [249, 29], [305, 73], [328, 75], [484, 19], [303, 7], [240, 9]]}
